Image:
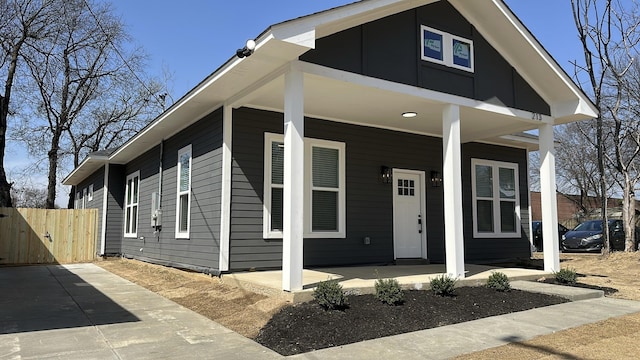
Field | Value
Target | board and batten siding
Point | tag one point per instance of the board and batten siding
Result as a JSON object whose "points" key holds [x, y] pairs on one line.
{"points": [[201, 249], [97, 180], [369, 202], [389, 49]]}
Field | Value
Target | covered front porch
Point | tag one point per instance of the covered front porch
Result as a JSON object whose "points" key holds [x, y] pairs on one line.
{"points": [[361, 279], [301, 91]]}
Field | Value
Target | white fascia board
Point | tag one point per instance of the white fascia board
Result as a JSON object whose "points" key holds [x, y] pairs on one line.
{"points": [[569, 110], [334, 20], [86, 164], [522, 138]]}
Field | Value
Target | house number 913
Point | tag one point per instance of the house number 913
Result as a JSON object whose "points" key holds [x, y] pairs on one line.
{"points": [[536, 116]]}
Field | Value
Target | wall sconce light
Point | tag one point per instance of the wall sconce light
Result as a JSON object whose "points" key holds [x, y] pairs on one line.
{"points": [[436, 179], [247, 50], [385, 174]]}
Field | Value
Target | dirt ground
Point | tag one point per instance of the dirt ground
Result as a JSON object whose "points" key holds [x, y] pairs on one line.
{"points": [[616, 338], [246, 312]]}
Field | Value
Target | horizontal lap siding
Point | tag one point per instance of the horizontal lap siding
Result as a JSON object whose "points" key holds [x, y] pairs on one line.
{"points": [[97, 180], [202, 247], [494, 249], [115, 212], [369, 202], [247, 247]]}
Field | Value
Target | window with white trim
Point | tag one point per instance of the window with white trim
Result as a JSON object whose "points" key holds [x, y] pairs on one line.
{"points": [[85, 198], [324, 190], [496, 199], [78, 202], [446, 49], [183, 203], [132, 196], [90, 194]]}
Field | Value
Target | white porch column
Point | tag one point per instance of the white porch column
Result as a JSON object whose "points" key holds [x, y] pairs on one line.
{"points": [[548, 199], [225, 199], [452, 185], [293, 196]]}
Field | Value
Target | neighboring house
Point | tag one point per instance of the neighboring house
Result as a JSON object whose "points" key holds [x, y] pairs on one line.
{"points": [[299, 153], [574, 209]]}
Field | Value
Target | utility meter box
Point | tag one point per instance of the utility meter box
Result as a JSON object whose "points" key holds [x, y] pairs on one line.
{"points": [[156, 211]]}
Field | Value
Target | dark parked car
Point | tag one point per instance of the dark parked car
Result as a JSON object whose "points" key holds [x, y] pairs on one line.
{"points": [[588, 236], [536, 227]]}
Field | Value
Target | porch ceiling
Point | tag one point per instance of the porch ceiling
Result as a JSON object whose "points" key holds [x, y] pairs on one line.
{"points": [[378, 106]]}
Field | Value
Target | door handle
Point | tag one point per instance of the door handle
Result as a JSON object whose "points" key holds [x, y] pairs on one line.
{"points": [[419, 224]]}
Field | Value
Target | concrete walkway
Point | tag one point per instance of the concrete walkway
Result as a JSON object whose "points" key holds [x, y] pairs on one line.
{"points": [[84, 312]]}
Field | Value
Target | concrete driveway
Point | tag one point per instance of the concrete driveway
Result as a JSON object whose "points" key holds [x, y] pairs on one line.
{"points": [[84, 312]]}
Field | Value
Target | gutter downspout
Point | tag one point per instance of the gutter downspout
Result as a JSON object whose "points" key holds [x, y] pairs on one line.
{"points": [[105, 198], [160, 169]]}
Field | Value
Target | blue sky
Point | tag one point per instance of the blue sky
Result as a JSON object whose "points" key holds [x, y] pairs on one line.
{"points": [[191, 38]]}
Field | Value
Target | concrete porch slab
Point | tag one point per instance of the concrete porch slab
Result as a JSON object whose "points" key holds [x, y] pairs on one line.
{"points": [[361, 279]]}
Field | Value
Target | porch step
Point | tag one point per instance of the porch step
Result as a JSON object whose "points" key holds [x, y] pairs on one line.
{"points": [[417, 261]]}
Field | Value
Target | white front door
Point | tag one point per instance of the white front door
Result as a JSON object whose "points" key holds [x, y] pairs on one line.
{"points": [[408, 214]]}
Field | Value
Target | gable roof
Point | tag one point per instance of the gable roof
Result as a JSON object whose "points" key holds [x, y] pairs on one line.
{"points": [[254, 81]]}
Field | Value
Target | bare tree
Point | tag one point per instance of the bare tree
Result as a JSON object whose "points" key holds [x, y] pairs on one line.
{"points": [[114, 119], [609, 32], [592, 23], [23, 23], [29, 197], [90, 93]]}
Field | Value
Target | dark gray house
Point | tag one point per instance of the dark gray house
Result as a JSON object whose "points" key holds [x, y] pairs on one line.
{"points": [[368, 133]]}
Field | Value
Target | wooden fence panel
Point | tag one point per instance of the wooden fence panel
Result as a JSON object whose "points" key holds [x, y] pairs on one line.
{"points": [[47, 236]]}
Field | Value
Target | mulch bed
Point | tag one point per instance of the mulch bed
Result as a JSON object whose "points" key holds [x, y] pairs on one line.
{"points": [[306, 327]]}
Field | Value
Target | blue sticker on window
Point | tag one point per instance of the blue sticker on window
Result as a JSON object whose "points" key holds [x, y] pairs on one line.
{"points": [[461, 53], [432, 47]]}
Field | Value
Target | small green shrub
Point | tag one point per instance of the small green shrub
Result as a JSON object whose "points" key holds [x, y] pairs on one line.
{"points": [[389, 292], [498, 281], [329, 295], [443, 285], [566, 276]]}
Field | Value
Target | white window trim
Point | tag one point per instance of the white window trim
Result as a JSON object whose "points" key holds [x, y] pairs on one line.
{"points": [[447, 49], [126, 206], [308, 189], [90, 193], [496, 199], [183, 234]]}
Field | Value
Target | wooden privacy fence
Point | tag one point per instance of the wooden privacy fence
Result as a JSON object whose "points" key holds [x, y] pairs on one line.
{"points": [[47, 236]]}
